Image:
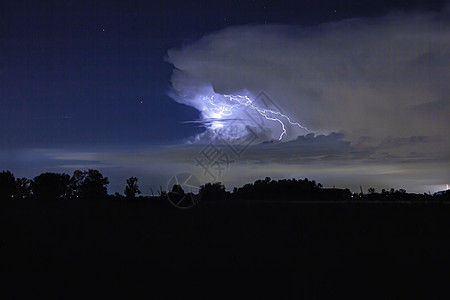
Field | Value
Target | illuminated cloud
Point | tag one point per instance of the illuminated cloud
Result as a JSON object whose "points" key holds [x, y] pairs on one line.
{"points": [[377, 78]]}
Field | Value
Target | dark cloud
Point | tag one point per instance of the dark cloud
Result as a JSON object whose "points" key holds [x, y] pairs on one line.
{"points": [[415, 163]]}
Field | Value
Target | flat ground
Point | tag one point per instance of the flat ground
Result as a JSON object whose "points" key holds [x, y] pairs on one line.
{"points": [[149, 249]]}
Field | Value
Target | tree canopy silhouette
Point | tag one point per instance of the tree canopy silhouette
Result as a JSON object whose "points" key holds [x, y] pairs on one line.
{"points": [[92, 184], [23, 188], [7, 185], [89, 184], [213, 191], [51, 186], [83, 184]]}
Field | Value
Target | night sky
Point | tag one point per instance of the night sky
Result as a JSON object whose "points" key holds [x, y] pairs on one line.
{"points": [[112, 85]]}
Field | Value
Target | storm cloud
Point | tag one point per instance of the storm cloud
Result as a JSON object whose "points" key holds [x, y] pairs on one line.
{"points": [[374, 78]]}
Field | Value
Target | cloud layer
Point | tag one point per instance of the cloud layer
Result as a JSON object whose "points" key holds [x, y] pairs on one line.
{"points": [[329, 159]]}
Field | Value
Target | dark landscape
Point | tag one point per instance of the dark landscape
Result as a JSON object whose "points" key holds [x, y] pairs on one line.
{"points": [[274, 247]]}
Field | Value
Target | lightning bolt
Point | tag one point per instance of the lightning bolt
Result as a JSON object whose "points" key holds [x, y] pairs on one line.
{"points": [[235, 102]]}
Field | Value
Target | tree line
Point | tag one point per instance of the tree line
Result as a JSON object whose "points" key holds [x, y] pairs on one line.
{"points": [[91, 184], [299, 190]]}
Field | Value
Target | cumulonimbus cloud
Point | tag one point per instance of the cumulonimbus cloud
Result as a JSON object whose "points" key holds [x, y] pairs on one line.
{"points": [[366, 77]]}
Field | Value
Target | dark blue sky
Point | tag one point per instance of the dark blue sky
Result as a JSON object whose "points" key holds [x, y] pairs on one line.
{"points": [[92, 72]]}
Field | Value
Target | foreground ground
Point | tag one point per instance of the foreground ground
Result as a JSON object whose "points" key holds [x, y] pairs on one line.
{"points": [[149, 249]]}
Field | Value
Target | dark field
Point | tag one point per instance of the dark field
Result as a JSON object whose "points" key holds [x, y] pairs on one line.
{"points": [[149, 249]]}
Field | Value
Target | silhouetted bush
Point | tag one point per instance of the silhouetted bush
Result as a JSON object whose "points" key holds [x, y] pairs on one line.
{"points": [[177, 189]]}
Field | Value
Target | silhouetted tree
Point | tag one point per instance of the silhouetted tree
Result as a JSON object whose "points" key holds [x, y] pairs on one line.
{"points": [[371, 190], [132, 187], [50, 186], [213, 191], [88, 184], [93, 185], [76, 181], [23, 188], [7, 185], [288, 189]]}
